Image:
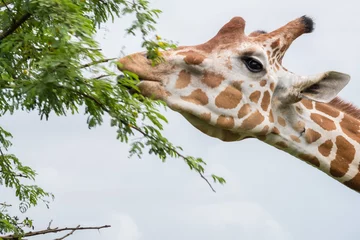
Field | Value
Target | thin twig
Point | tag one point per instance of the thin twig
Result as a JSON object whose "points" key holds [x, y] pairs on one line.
{"points": [[15, 26], [49, 226], [97, 62], [70, 233], [102, 76], [52, 230], [5, 204]]}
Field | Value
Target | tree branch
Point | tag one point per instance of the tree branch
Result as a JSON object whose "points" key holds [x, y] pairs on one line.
{"points": [[140, 131], [52, 230], [15, 26], [97, 62]]}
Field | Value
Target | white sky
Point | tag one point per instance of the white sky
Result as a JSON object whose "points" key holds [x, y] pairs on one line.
{"points": [[269, 195]]}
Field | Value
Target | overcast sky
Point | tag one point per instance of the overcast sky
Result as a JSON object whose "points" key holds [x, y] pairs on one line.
{"points": [[269, 194]]}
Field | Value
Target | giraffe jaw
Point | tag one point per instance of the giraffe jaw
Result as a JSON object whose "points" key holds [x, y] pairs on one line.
{"points": [[153, 89]]}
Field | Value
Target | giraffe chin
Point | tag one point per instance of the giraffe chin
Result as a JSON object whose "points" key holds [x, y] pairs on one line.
{"points": [[153, 89]]}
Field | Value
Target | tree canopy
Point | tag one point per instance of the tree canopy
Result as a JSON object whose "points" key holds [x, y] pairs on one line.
{"points": [[51, 64]]}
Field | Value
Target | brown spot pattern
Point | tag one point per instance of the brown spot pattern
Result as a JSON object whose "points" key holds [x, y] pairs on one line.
{"points": [[237, 85], [327, 109], [229, 98], [310, 159], [244, 110], [325, 148], [198, 97], [265, 101], [254, 97], [271, 116], [206, 117], [263, 83], [307, 103], [311, 135], [192, 58], [272, 86], [183, 79], [212, 79], [275, 130], [295, 138], [252, 121], [225, 122], [354, 183], [281, 121], [351, 127], [344, 156], [324, 122]]}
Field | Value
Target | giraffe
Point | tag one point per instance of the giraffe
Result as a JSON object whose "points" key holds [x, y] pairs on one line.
{"points": [[234, 87]]}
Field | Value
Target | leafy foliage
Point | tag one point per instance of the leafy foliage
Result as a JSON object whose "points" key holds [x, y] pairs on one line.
{"points": [[47, 50]]}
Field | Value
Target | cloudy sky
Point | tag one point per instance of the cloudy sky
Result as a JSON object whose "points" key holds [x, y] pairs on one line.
{"points": [[269, 194]]}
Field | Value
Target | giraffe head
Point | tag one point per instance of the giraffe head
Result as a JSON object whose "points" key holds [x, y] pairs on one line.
{"points": [[229, 86]]}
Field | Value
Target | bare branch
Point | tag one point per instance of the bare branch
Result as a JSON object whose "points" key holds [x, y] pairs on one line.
{"points": [[5, 204], [15, 26], [70, 233], [49, 226], [52, 230], [97, 62], [102, 76]]}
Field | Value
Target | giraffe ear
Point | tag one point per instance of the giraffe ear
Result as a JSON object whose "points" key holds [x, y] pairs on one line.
{"points": [[323, 87]]}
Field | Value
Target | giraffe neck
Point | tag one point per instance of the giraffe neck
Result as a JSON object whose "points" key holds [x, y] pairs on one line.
{"points": [[321, 135]]}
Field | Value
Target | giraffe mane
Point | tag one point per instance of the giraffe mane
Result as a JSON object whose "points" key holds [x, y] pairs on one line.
{"points": [[345, 107]]}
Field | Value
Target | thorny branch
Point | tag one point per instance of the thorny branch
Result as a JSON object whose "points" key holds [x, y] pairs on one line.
{"points": [[52, 230]]}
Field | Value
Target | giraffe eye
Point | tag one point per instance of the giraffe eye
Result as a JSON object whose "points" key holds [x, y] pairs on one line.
{"points": [[252, 64]]}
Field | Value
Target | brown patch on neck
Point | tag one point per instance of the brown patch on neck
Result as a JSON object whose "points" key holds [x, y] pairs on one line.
{"points": [[295, 138], [324, 122], [212, 79], [354, 183], [325, 148], [307, 103], [311, 135], [344, 156], [198, 97], [327, 109], [244, 110], [252, 121], [311, 159], [205, 117], [229, 98], [225, 122], [351, 127], [281, 121], [192, 57], [183, 79]]}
